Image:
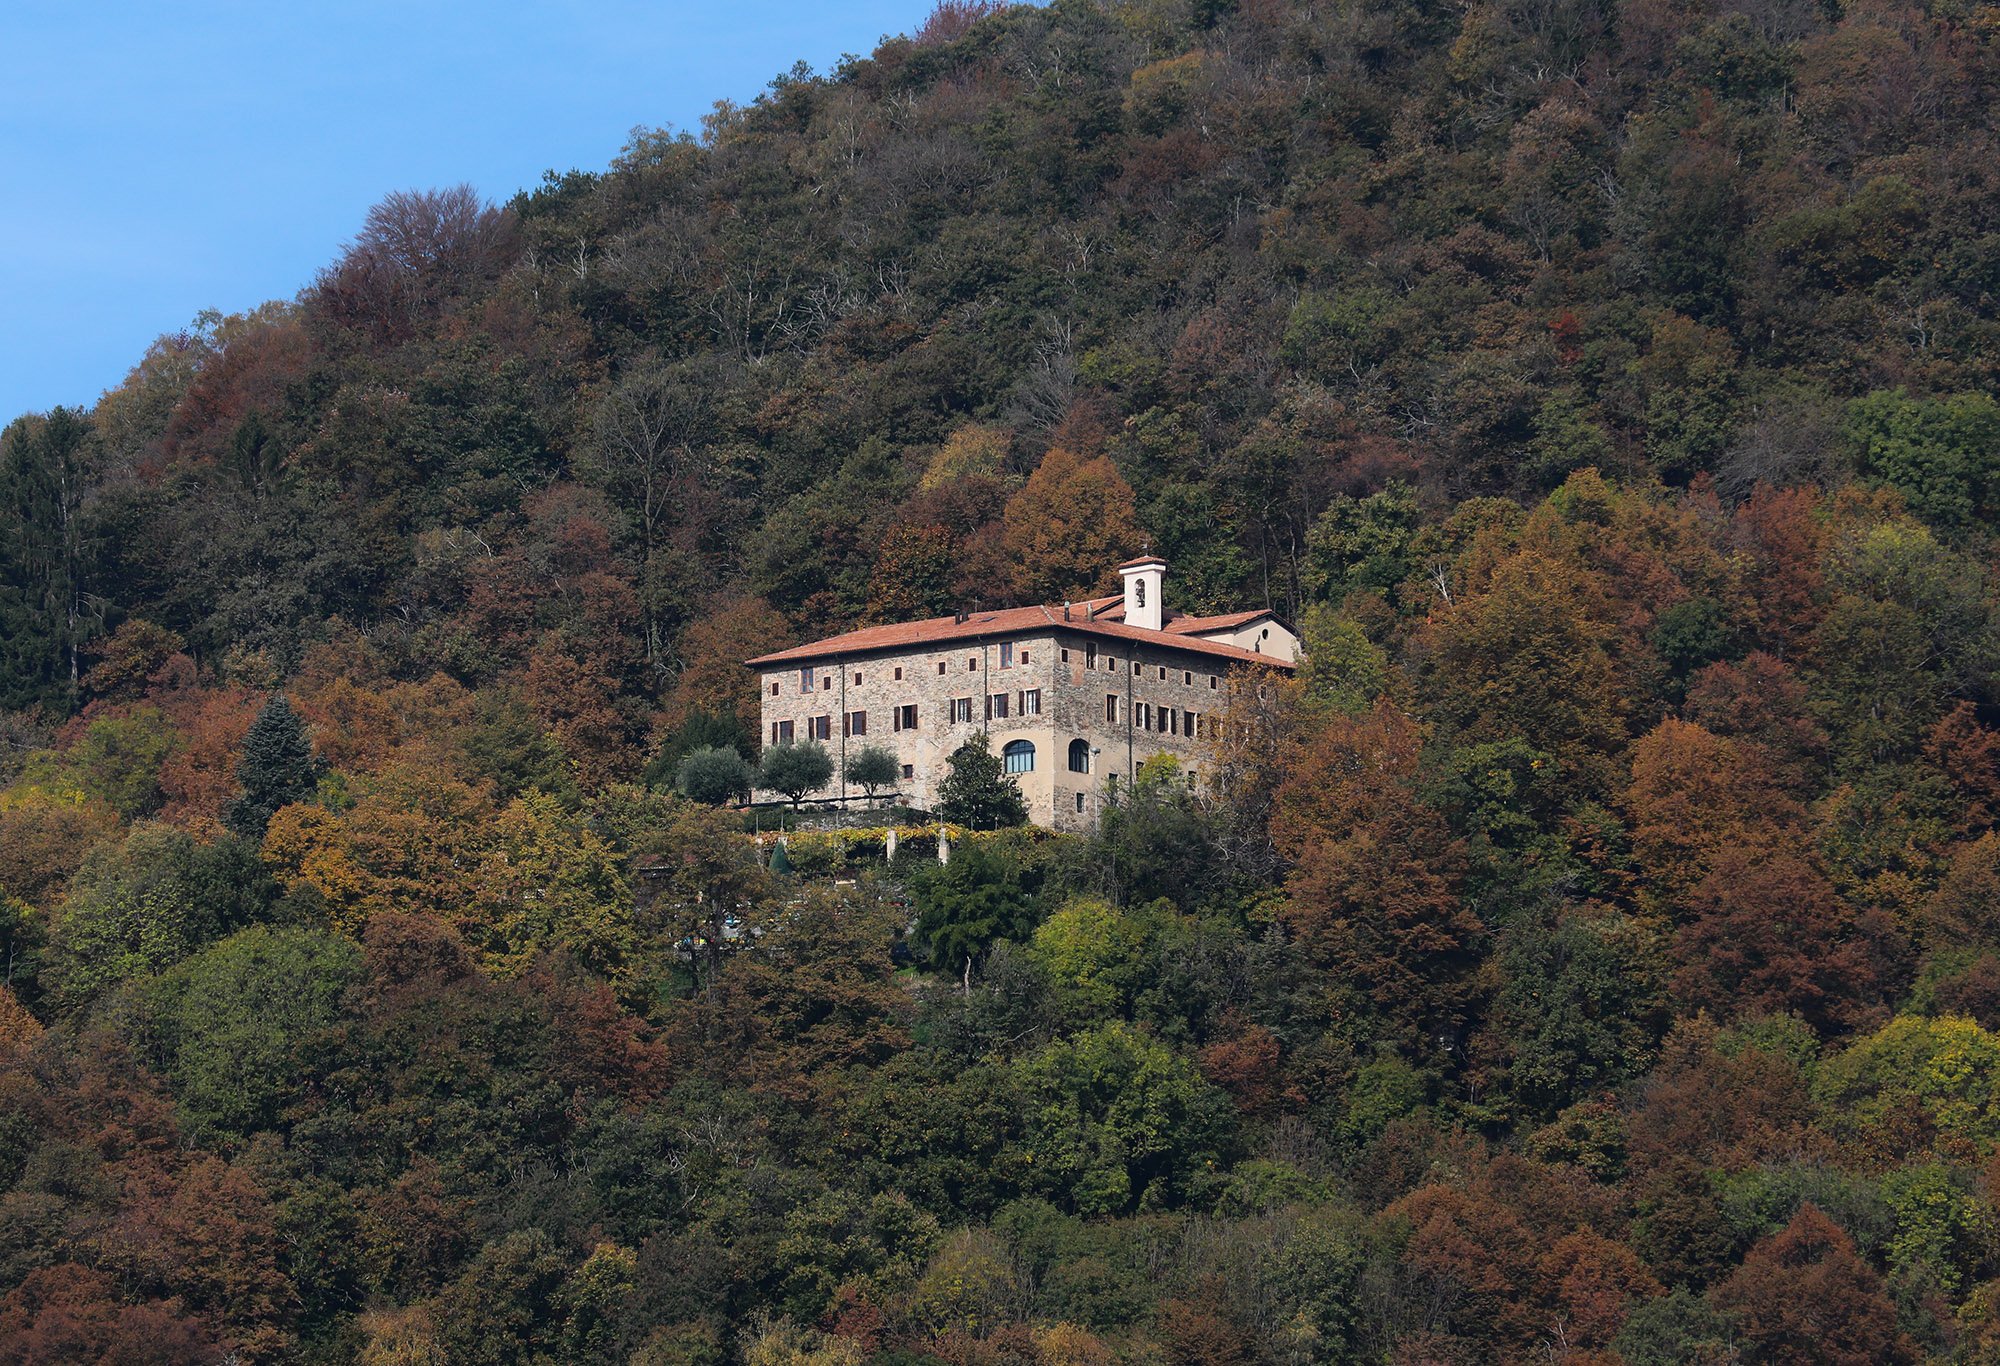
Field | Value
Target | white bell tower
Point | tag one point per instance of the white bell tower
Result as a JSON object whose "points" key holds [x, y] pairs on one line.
{"points": [[1144, 579]]}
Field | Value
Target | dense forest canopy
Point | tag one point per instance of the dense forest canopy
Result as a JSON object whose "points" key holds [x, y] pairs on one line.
{"points": [[1594, 957]]}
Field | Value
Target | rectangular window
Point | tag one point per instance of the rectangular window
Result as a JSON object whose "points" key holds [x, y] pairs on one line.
{"points": [[1187, 678], [1006, 654], [899, 675], [961, 710], [805, 680], [1024, 656], [909, 770], [1135, 668], [826, 683], [1090, 655], [996, 706], [857, 680], [1111, 708], [940, 666], [1079, 803], [1031, 702], [820, 727], [1211, 682], [857, 723], [1142, 715], [1163, 674], [774, 690], [1173, 722], [781, 732], [1192, 724], [972, 665], [906, 717], [1065, 655], [1164, 722]]}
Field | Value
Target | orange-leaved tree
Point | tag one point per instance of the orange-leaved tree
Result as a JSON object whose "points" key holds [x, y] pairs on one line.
{"points": [[1374, 891], [1066, 530], [1804, 1297]]}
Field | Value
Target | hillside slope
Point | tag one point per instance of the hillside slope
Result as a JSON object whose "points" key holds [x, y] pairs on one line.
{"points": [[1591, 958]]}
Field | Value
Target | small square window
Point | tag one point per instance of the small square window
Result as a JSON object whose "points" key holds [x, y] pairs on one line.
{"points": [[909, 770], [1024, 656]]}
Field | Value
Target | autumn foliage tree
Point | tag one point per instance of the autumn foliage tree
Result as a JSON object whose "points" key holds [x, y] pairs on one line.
{"points": [[1373, 895], [1765, 933], [1804, 1295], [1529, 654], [1068, 527]]}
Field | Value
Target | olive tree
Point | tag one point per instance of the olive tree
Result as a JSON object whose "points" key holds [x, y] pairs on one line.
{"points": [[795, 770]]}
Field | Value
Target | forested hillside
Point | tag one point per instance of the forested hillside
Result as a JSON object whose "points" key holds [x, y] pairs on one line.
{"points": [[1594, 957]]}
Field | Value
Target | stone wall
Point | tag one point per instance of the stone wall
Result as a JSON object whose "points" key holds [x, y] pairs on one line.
{"points": [[1074, 676]]}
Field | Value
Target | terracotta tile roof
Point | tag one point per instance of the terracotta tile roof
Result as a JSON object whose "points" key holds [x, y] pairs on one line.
{"points": [[1015, 621], [1179, 623], [1228, 621]]}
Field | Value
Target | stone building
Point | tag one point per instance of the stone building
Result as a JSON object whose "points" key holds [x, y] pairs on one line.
{"points": [[1074, 697]]}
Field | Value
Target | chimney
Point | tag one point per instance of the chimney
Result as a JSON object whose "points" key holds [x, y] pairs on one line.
{"points": [[1145, 579], [1065, 609]]}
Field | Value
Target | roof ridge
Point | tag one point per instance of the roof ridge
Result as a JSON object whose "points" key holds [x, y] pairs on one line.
{"points": [[932, 632]]}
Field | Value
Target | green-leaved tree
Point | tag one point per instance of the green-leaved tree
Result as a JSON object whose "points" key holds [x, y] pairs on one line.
{"points": [[977, 792], [795, 770], [873, 767], [714, 775]]}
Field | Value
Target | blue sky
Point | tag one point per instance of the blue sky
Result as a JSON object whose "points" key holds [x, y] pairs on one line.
{"points": [[161, 158]]}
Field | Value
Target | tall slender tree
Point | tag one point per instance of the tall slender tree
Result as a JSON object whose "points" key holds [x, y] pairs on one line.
{"points": [[46, 614]]}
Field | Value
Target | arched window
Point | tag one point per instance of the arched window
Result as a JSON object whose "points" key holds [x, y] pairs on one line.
{"points": [[1020, 756], [1079, 756]]}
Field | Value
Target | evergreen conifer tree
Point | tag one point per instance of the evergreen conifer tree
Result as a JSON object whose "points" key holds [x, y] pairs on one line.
{"points": [[278, 768]]}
